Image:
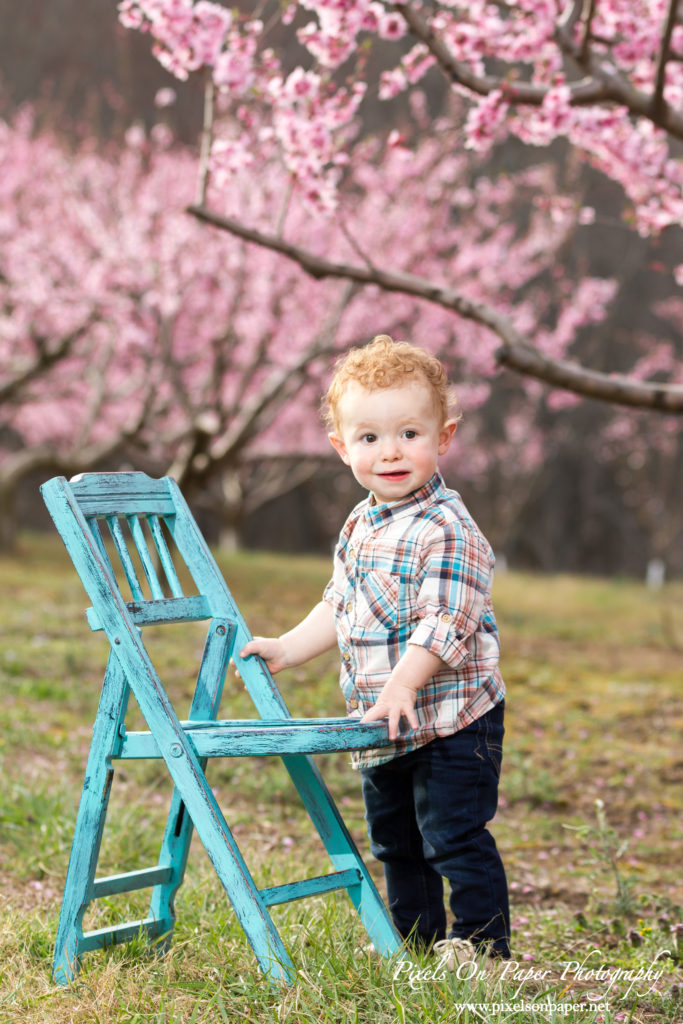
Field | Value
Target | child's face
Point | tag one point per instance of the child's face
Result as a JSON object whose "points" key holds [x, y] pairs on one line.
{"points": [[391, 438]]}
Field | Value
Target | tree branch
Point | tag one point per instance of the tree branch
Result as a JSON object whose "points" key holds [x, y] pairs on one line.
{"points": [[573, 15], [515, 353], [44, 457], [281, 385], [601, 85], [206, 138], [519, 93], [589, 8], [660, 80], [46, 358], [276, 478]]}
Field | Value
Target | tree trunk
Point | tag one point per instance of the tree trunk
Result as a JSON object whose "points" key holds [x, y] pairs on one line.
{"points": [[8, 517], [232, 519]]}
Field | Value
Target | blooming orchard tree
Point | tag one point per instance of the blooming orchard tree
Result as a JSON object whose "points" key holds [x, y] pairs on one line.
{"points": [[646, 457], [130, 334], [604, 75], [59, 321], [127, 336]]}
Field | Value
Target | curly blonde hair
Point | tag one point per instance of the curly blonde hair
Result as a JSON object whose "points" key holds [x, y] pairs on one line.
{"points": [[386, 363]]}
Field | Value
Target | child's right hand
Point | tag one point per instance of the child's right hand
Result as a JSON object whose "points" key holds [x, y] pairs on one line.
{"points": [[270, 648]]}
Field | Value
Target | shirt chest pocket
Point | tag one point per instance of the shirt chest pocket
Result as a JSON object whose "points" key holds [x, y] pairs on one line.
{"points": [[377, 601]]}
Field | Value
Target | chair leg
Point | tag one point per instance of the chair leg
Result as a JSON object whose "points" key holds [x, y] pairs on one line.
{"points": [[90, 820], [343, 852], [175, 846], [193, 803], [218, 841]]}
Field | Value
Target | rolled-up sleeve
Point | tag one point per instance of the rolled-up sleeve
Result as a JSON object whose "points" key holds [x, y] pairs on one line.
{"points": [[454, 592]]}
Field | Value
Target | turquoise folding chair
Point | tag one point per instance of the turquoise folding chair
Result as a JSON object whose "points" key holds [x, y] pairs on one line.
{"points": [[150, 527]]}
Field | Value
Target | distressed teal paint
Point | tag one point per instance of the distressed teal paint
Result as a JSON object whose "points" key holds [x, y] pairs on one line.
{"points": [[98, 504]]}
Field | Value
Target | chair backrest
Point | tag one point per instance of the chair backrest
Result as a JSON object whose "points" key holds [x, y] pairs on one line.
{"points": [[159, 554]]}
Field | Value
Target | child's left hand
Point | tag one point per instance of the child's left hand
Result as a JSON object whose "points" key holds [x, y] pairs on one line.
{"points": [[413, 670], [396, 700]]}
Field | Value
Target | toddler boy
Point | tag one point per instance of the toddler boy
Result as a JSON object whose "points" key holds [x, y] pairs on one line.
{"points": [[409, 605]]}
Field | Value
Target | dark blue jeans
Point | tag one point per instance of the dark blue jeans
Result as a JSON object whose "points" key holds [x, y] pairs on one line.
{"points": [[427, 813]]}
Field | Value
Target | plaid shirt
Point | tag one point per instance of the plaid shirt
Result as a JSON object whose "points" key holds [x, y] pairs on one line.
{"points": [[416, 571]]}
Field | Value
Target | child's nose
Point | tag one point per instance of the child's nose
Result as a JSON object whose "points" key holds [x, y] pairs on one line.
{"points": [[391, 449]]}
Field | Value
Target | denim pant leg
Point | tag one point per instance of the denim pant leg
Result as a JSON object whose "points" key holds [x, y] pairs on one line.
{"points": [[456, 795], [414, 888], [448, 793]]}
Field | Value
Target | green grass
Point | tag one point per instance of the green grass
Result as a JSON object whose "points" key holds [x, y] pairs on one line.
{"points": [[593, 670]]}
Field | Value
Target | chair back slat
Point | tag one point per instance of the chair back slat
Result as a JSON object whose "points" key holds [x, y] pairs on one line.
{"points": [[99, 542], [165, 556], [124, 555], [139, 514], [145, 558], [177, 557]]}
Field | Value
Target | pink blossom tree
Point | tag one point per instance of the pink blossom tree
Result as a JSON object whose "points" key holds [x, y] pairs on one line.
{"points": [[126, 336], [130, 334], [606, 76], [63, 361]]}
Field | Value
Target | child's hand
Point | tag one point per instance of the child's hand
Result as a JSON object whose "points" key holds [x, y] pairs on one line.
{"points": [[396, 700], [270, 648], [413, 670]]}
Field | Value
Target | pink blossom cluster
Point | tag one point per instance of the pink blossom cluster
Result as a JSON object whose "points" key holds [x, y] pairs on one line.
{"points": [[308, 114], [495, 49], [637, 156]]}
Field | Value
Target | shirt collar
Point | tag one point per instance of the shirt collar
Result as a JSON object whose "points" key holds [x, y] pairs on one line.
{"points": [[377, 514]]}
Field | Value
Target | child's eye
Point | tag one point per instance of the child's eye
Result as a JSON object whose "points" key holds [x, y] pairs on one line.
{"points": [[410, 434], [368, 438]]}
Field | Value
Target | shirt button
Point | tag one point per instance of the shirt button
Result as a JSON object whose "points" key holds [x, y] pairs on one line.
{"points": [[352, 553], [353, 704], [346, 656], [446, 617], [349, 606]]}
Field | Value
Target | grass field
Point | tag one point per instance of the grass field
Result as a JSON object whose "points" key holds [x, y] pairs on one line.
{"points": [[590, 822]]}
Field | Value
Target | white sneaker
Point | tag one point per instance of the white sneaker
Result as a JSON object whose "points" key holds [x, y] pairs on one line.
{"points": [[453, 952]]}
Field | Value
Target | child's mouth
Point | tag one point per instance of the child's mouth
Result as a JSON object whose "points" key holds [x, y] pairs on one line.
{"points": [[397, 474]]}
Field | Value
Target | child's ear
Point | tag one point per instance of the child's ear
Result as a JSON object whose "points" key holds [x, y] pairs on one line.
{"points": [[446, 435], [339, 447]]}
